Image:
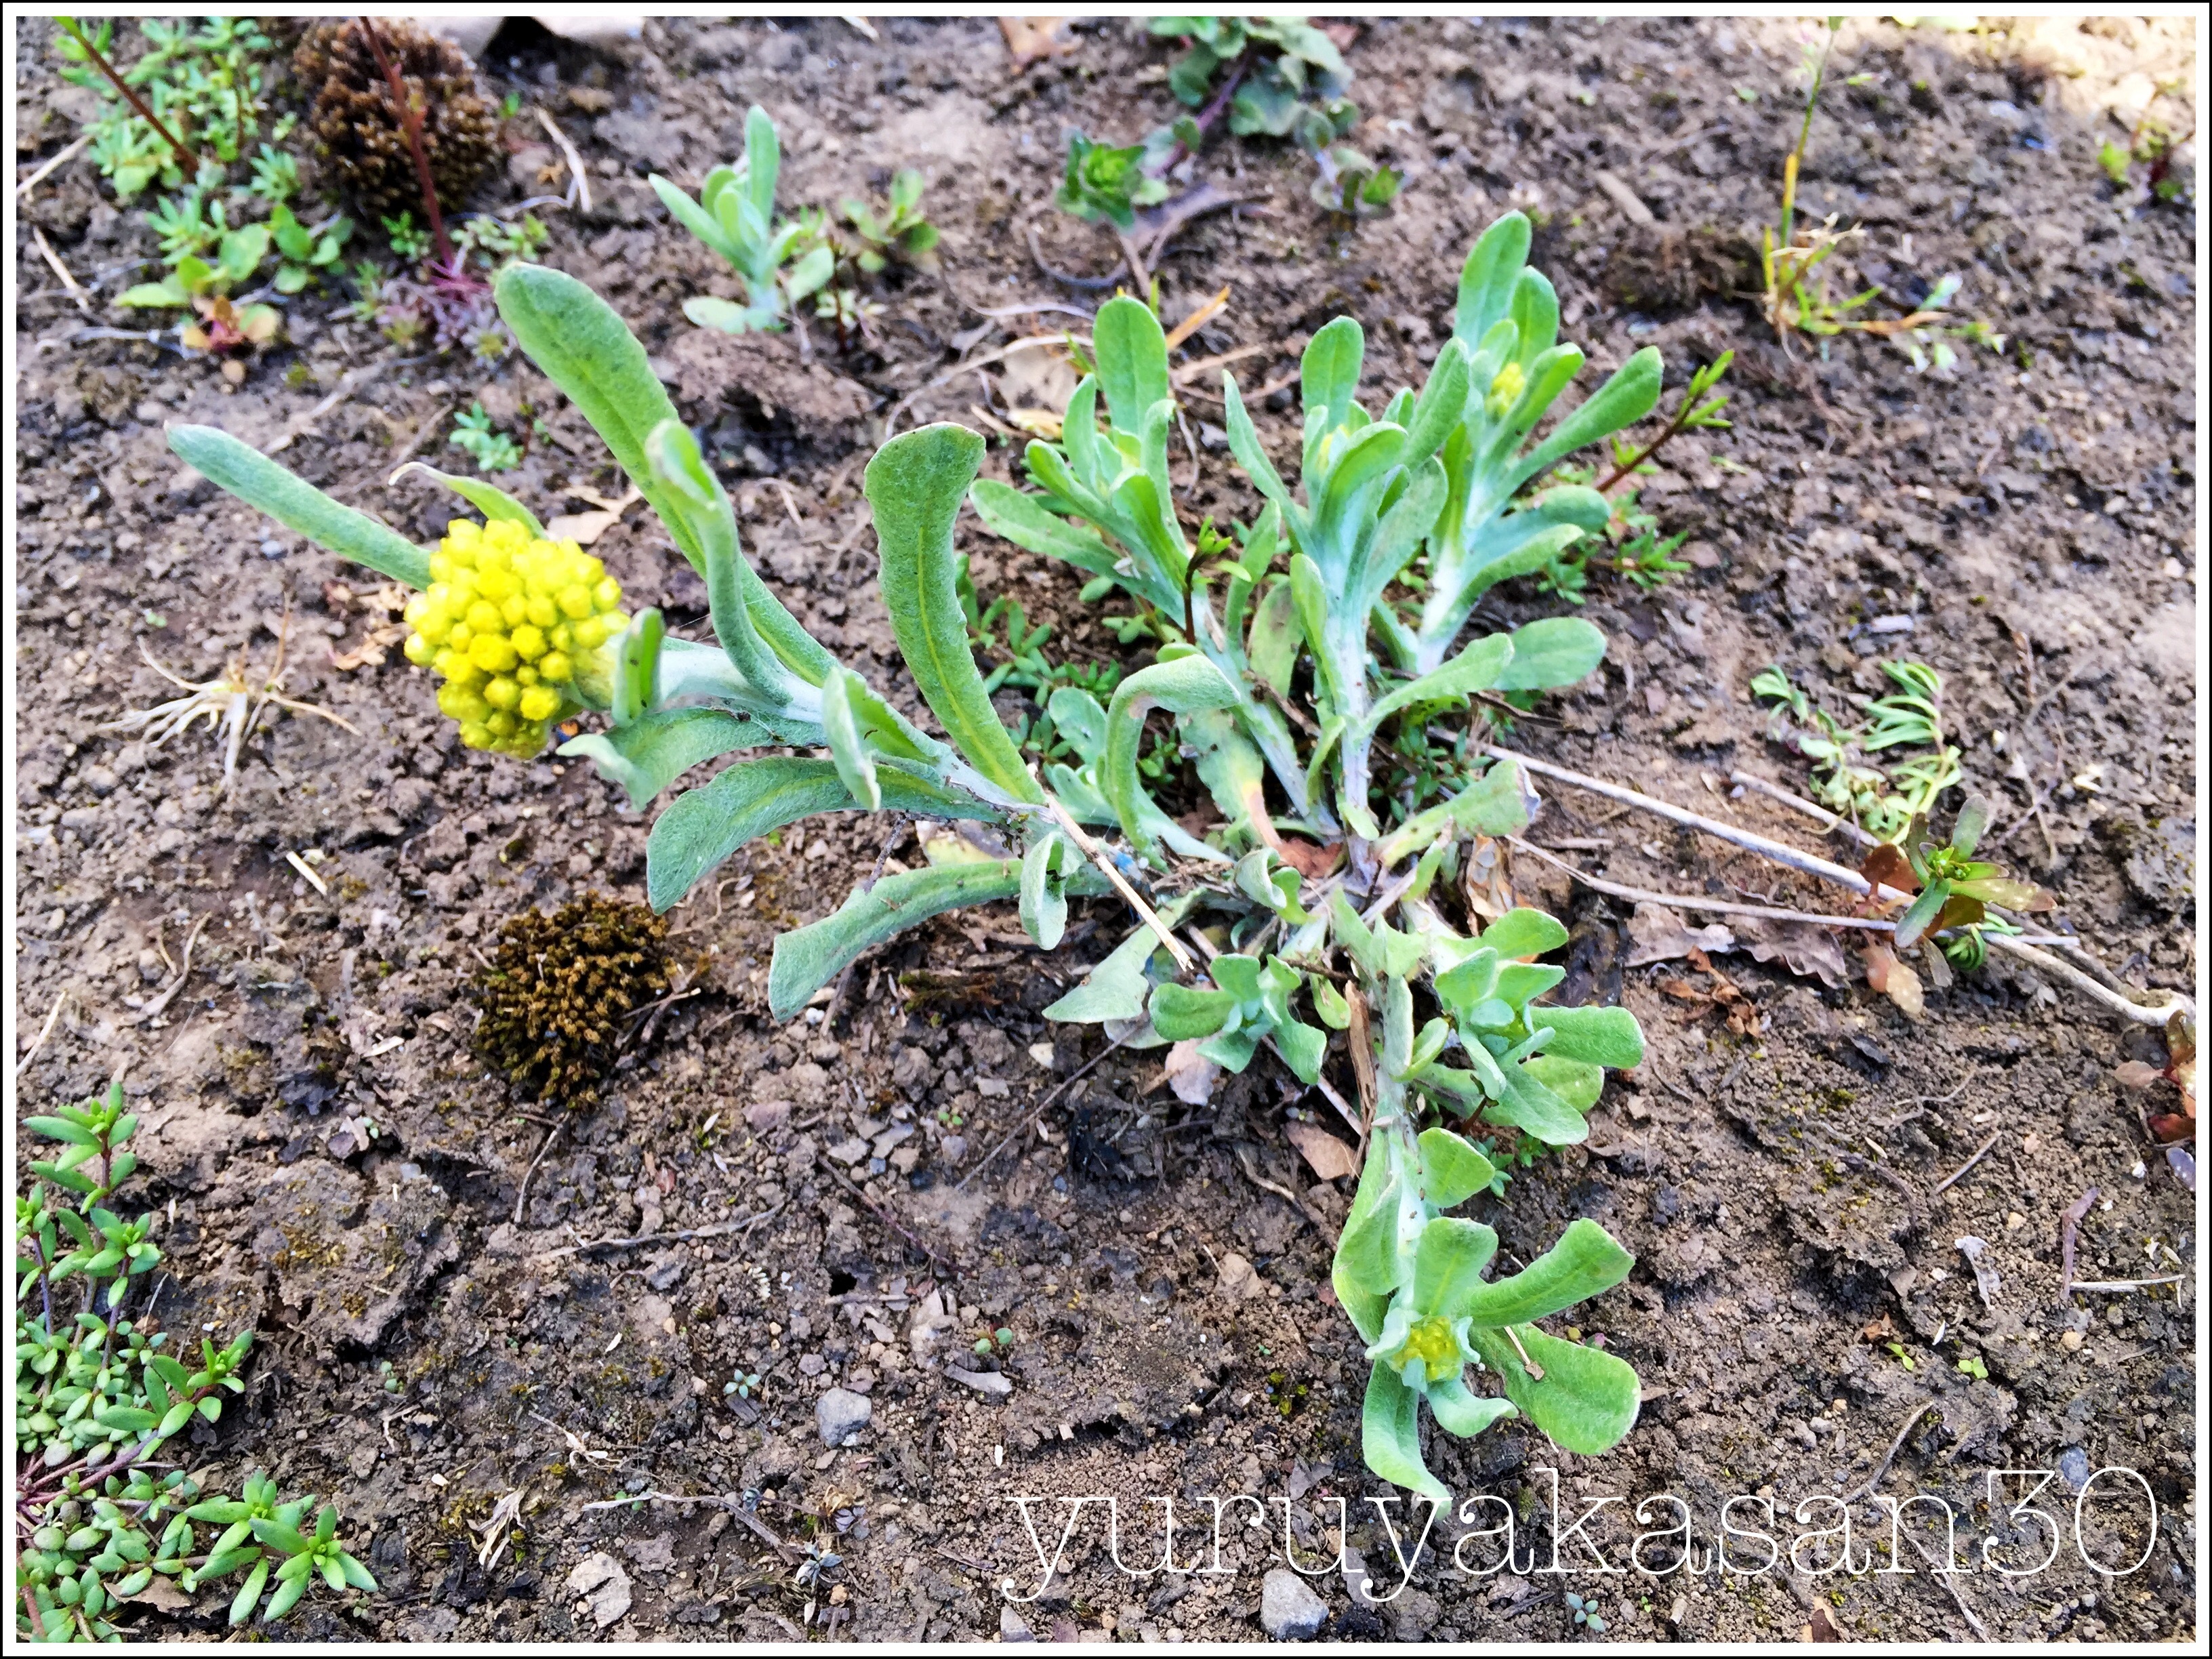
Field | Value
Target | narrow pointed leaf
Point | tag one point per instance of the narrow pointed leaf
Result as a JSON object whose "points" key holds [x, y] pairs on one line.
{"points": [[809, 958], [260, 482], [495, 503], [654, 750], [703, 826], [589, 353]]}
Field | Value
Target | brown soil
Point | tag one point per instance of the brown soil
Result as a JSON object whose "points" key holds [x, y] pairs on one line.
{"points": [[2028, 517]]}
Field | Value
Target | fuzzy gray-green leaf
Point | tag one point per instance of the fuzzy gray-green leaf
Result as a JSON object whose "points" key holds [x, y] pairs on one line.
{"points": [[915, 485], [294, 503]]}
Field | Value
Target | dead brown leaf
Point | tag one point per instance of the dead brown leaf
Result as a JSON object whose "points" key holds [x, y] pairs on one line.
{"points": [[1309, 860], [1887, 867], [1805, 948], [1190, 1075], [1328, 1157], [1485, 881], [1895, 980], [1033, 40], [1659, 934], [385, 605]]}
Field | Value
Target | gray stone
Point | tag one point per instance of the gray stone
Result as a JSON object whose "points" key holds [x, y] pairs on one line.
{"points": [[993, 1384], [840, 1414], [1413, 1614], [1289, 1610], [1012, 1628], [2074, 1468]]}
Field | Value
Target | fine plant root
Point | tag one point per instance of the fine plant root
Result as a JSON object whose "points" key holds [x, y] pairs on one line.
{"points": [[230, 703], [1808, 864]]}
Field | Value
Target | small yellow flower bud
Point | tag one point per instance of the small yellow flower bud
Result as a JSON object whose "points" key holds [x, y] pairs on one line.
{"points": [[1504, 390], [539, 703], [492, 653]]}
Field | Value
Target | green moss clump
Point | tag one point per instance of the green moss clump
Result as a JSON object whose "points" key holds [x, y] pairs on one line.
{"points": [[555, 996]]}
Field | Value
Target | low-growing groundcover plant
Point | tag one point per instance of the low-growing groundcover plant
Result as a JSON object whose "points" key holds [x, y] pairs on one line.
{"points": [[1279, 698], [98, 1395]]}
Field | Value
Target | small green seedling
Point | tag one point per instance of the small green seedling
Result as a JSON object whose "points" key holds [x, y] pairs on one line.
{"points": [[304, 255], [1104, 183], [735, 216], [899, 233], [98, 1399], [1885, 804], [1584, 1611], [1953, 889], [743, 1384], [492, 451], [409, 240]]}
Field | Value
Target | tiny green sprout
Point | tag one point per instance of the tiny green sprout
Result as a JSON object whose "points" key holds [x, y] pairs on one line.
{"points": [[1954, 889], [744, 1384], [492, 451], [1897, 1352], [1003, 1337], [1584, 1609], [983, 1346], [275, 176], [304, 254], [899, 232], [1973, 1367], [408, 242]]}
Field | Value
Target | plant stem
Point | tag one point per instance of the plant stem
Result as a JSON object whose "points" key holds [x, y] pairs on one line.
{"points": [[1211, 112], [411, 121], [1788, 857], [1679, 425], [130, 94]]}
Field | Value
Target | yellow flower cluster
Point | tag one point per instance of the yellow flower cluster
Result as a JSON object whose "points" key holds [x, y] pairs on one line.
{"points": [[506, 623], [1504, 390]]}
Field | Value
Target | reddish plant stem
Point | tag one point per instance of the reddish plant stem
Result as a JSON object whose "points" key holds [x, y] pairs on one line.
{"points": [[410, 122], [130, 94], [1211, 112], [1673, 428]]}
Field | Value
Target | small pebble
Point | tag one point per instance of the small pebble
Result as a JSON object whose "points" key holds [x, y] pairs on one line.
{"points": [[2015, 1219], [2071, 1341], [2032, 1145]]}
